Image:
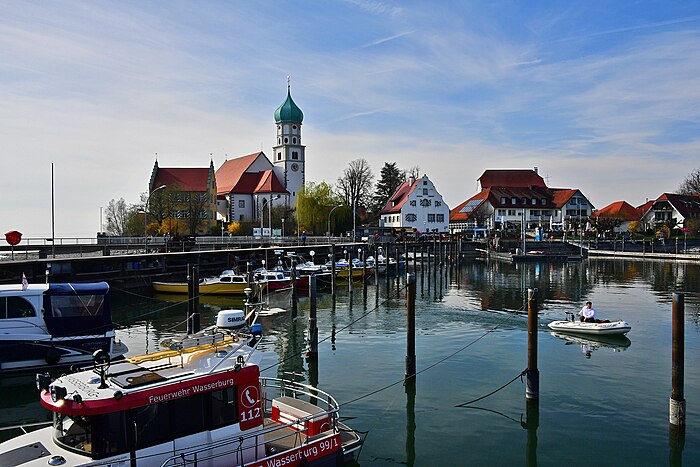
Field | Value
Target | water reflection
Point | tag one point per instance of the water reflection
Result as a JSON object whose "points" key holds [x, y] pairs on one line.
{"points": [[410, 389], [590, 343]]}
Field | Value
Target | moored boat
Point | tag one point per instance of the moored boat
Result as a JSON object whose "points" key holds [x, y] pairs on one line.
{"points": [[227, 283], [200, 402], [49, 325], [600, 327], [273, 280]]}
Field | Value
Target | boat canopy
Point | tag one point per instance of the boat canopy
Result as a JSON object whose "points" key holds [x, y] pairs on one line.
{"points": [[77, 309]]}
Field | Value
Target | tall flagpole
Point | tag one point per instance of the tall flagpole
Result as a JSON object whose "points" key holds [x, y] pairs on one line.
{"points": [[53, 219]]}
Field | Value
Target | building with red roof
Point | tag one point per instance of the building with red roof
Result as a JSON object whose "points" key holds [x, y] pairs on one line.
{"points": [[670, 208], [416, 205], [187, 194], [508, 195], [246, 185], [622, 212]]}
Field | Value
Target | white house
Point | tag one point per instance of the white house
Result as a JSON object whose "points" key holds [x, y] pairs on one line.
{"points": [[416, 205], [509, 196]]}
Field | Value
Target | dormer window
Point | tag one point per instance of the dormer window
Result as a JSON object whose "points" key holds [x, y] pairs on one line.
{"points": [[534, 201], [524, 200], [503, 200], [514, 200]]}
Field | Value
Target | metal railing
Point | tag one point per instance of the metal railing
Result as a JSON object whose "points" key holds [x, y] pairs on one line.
{"points": [[238, 443]]}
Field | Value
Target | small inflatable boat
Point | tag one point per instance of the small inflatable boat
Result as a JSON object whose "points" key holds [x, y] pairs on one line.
{"points": [[604, 327]]}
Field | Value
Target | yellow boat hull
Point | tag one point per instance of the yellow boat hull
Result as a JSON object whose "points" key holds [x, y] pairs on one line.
{"points": [[204, 288]]}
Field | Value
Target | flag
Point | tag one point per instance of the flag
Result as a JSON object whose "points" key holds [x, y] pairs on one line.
{"points": [[25, 284]]}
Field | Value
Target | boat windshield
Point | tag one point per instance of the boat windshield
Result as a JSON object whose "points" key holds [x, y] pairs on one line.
{"points": [[97, 436], [74, 433]]}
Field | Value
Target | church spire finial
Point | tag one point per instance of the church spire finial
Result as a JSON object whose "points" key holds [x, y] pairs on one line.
{"points": [[289, 83]]}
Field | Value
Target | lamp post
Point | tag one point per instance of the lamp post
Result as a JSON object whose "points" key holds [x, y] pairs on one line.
{"points": [[283, 227], [269, 211], [145, 214], [329, 222]]}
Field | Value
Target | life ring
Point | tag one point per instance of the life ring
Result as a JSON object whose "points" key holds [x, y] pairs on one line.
{"points": [[53, 356]]}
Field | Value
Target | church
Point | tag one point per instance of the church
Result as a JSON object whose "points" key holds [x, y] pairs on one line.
{"points": [[245, 185], [242, 187]]}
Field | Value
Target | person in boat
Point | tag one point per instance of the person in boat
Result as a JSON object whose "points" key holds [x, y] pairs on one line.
{"points": [[587, 313]]}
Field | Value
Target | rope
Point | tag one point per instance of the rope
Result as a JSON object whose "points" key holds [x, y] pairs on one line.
{"points": [[520, 375]]}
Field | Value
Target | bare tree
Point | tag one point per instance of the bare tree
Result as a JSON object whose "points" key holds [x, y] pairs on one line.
{"points": [[691, 184], [413, 172], [117, 216], [355, 185]]}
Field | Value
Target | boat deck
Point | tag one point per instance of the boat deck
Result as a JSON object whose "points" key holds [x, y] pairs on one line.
{"points": [[285, 438]]}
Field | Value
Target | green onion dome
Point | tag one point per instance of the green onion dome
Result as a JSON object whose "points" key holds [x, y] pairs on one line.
{"points": [[288, 112]]}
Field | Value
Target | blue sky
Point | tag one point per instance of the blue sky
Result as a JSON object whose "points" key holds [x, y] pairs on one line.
{"points": [[600, 95]]}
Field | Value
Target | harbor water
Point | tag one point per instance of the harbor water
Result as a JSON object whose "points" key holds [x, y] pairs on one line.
{"points": [[602, 401]]}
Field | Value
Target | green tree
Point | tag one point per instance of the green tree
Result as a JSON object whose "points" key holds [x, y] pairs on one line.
{"points": [[314, 203], [391, 178]]}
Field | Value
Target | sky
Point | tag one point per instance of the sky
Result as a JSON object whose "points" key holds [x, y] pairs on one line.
{"points": [[603, 96]]}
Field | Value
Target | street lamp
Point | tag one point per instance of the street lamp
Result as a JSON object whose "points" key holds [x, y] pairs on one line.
{"points": [[329, 221], [283, 227], [145, 215], [269, 211]]}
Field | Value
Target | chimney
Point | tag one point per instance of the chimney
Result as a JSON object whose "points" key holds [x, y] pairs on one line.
{"points": [[536, 171], [411, 180]]}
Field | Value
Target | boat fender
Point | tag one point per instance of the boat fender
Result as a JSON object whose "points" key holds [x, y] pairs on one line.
{"points": [[53, 356]]}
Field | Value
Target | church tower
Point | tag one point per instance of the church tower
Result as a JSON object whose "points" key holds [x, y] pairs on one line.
{"points": [[288, 153]]}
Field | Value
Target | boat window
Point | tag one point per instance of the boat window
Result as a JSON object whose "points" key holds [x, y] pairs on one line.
{"points": [[151, 425], [109, 435], [73, 432], [15, 307], [187, 415], [223, 407], [238, 279], [64, 306], [225, 279]]}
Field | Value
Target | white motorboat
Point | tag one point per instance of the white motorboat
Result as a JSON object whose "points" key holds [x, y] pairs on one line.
{"points": [[600, 327], [201, 402], [50, 325]]}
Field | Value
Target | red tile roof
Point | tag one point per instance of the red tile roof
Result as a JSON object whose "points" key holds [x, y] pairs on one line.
{"points": [[231, 171], [561, 196], [269, 183], [516, 178], [399, 197], [620, 210], [643, 208], [460, 213], [185, 178]]}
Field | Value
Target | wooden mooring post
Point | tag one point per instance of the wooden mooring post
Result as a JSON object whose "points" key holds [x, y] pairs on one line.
{"points": [[333, 272], [193, 323], [313, 329], [293, 277], [410, 326], [677, 402], [532, 386]]}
